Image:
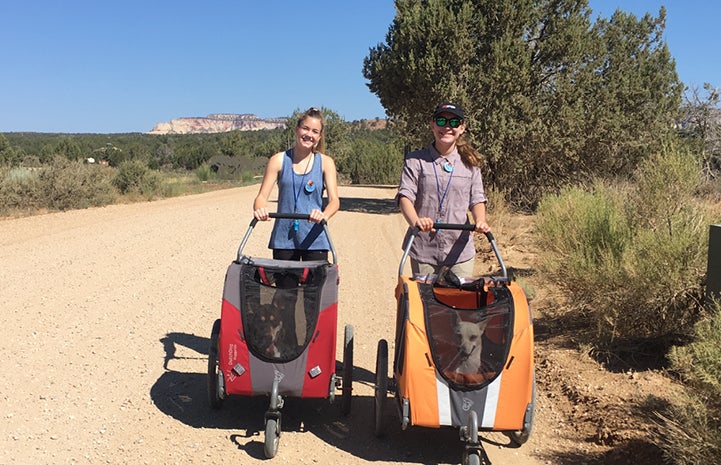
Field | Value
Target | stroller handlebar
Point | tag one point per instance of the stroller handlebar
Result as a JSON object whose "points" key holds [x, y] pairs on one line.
{"points": [[455, 226], [458, 227], [289, 216]]}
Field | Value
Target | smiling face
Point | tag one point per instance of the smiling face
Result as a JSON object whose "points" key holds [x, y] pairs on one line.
{"points": [[446, 136], [308, 132]]}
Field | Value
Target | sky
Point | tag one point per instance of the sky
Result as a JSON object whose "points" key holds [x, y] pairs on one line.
{"points": [[95, 66]]}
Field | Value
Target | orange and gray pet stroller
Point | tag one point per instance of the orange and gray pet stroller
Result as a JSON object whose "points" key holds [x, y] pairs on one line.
{"points": [[463, 358]]}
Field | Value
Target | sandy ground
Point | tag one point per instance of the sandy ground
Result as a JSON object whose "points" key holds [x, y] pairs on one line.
{"points": [[105, 324]]}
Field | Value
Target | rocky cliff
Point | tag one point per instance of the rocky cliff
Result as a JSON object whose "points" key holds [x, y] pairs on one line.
{"points": [[217, 123]]}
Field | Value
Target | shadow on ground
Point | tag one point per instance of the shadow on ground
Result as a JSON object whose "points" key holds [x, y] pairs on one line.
{"points": [[184, 396], [374, 206]]}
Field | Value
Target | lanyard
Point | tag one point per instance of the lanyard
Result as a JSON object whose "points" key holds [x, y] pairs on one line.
{"points": [[296, 192], [442, 197]]}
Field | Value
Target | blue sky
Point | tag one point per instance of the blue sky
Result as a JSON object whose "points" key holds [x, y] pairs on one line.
{"points": [[97, 66]]}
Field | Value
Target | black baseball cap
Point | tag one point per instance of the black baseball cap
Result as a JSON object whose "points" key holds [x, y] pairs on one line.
{"points": [[451, 108]]}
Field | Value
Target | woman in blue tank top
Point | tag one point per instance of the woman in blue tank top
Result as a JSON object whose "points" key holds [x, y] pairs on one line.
{"points": [[302, 173]]}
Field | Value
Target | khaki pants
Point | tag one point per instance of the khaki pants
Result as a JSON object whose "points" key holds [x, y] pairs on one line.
{"points": [[464, 269]]}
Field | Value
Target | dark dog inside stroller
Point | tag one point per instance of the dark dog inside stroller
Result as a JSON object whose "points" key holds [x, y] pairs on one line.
{"points": [[279, 308]]}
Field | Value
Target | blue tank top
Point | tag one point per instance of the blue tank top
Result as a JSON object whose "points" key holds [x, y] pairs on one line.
{"points": [[299, 194]]}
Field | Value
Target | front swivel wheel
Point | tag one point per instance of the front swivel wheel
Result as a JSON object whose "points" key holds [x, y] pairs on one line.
{"points": [[272, 437]]}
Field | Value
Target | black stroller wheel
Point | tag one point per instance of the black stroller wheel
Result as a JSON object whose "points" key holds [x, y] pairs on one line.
{"points": [[472, 458], [347, 370], [520, 437], [272, 437], [381, 386], [214, 373]]}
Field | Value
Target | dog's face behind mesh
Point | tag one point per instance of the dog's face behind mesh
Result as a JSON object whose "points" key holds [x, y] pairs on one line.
{"points": [[267, 325], [469, 332], [470, 337]]}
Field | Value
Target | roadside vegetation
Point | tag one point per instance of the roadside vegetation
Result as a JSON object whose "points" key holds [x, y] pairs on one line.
{"points": [[50, 172], [583, 124]]}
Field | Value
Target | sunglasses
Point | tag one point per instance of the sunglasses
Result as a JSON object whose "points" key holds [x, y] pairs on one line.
{"points": [[441, 121]]}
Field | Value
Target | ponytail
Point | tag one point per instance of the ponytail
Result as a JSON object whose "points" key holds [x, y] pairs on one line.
{"points": [[469, 156]]}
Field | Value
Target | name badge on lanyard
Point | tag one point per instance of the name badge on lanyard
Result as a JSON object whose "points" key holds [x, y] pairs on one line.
{"points": [[448, 168]]}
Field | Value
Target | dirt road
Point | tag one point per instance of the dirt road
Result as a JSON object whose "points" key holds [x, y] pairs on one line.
{"points": [[105, 320]]}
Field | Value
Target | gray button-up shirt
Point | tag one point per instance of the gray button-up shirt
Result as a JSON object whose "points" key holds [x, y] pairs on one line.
{"points": [[446, 197]]}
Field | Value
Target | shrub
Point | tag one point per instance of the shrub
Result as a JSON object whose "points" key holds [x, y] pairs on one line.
{"points": [[135, 178], [498, 213], [67, 185], [62, 185], [204, 173], [693, 423], [130, 176], [699, 362], [630, 257], [583, 235], [19, 190]]}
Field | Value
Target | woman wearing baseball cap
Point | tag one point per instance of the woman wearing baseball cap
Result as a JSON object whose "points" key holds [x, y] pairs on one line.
{"points": [[442, 183]]}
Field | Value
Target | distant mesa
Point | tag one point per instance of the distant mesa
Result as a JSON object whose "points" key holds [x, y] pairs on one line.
{"points": [[217, 122]]}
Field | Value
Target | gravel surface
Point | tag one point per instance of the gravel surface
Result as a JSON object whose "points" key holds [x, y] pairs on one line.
{"points": [[106, 316]]}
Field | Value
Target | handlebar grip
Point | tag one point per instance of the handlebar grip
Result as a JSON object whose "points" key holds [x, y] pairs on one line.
{"points": [[462, 227], [288, 216], [456, 226]]}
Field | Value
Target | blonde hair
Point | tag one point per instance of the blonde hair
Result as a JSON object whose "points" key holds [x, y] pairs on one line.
{"points": [[469, 155], [313, 112]]}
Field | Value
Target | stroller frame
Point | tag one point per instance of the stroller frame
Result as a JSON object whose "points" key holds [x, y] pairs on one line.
{"points": [[237, 363], [428, 391]]}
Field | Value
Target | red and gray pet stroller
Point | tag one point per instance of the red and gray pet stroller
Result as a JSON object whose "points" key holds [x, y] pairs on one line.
{"points": [[463, 356], [276, 335]]}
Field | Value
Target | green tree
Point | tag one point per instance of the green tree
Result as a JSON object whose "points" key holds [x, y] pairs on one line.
{"points": [[550, 97], [68, 148], [273, 142], [636, 93], [373, 162], [110, 153], [336, 132], [7, 153], [163, 155], [191, 157], [234, 144]]}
